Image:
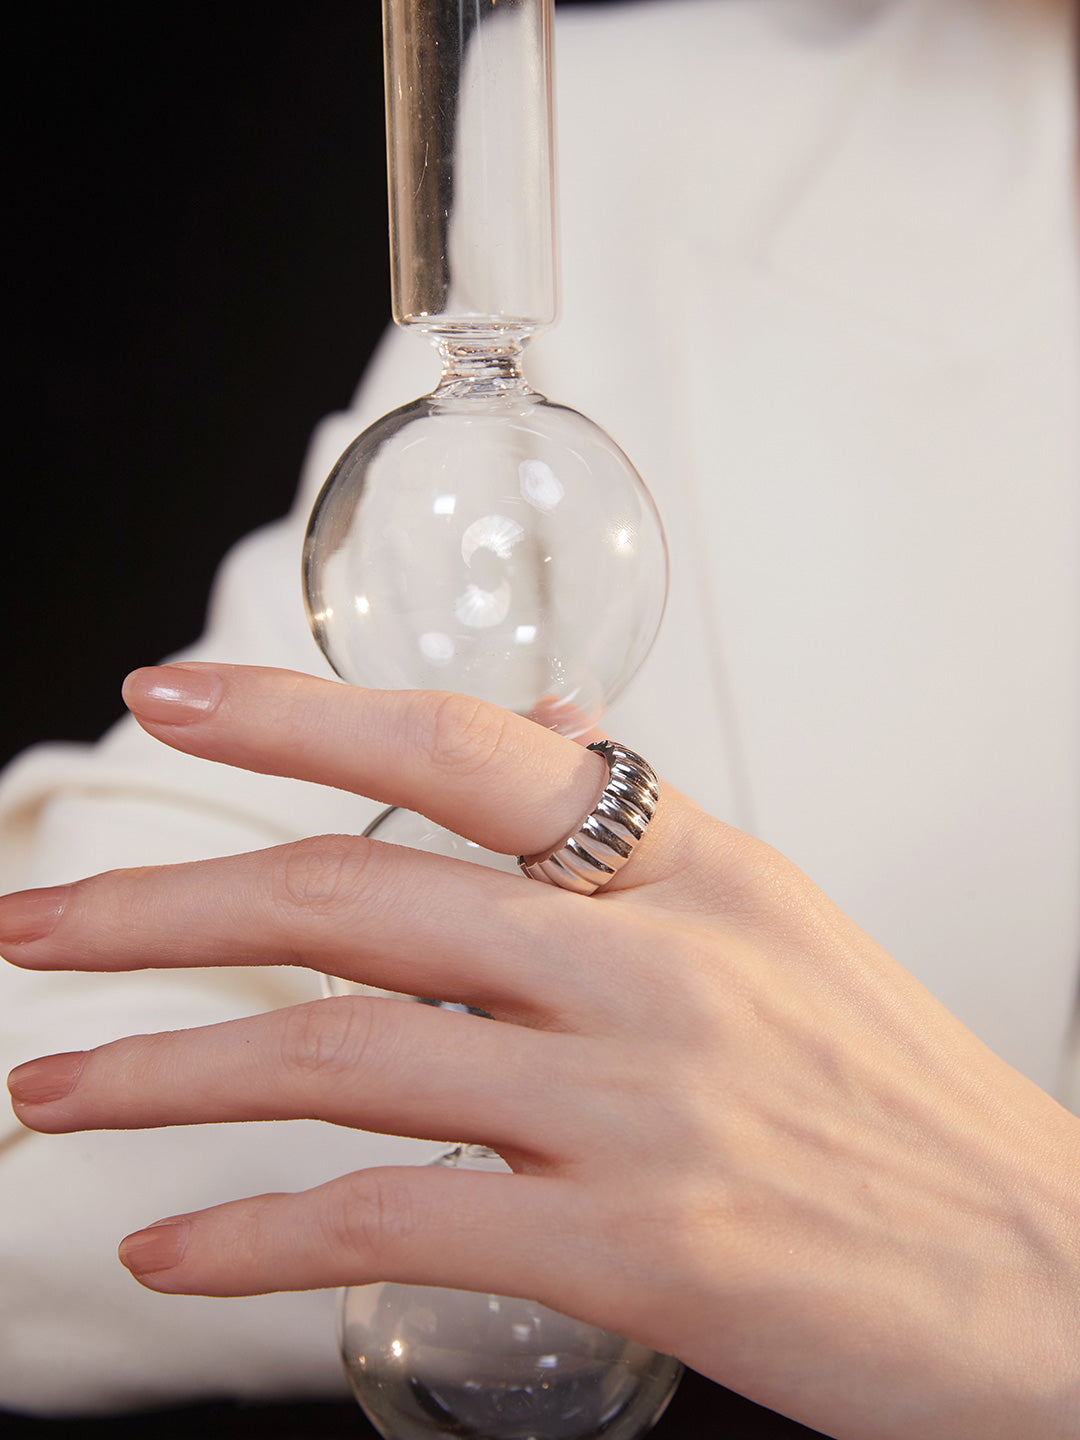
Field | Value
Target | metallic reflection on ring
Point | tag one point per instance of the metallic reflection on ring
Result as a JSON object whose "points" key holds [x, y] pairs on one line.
{"points": [[605, 840]]}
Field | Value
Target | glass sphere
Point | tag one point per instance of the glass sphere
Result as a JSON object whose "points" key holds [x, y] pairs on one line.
{"points": [[406, 827], [425, 1362], [491, 543]]}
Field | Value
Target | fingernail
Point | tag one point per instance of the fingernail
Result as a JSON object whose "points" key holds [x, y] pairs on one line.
{"points": [[39, 1081], [31, 914], [171, 694], [159, 1247]]}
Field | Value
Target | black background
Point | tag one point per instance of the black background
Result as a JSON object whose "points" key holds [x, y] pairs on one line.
{"points": [[197, 273]]}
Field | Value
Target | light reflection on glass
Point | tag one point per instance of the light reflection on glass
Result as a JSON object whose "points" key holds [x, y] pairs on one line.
{"points": [[539, 484], [491, 532], [436, 647]]}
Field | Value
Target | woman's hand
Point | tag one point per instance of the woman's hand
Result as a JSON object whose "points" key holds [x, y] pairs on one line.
{"points": [[740, 1132]]}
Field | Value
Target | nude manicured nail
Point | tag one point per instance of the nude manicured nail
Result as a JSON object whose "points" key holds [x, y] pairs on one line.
{"points": [[31, 914], [171, 694], [39, 1081], [159, 1247]]}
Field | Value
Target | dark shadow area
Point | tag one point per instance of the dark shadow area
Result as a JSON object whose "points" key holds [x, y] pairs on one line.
{"points": [[200, 272], [699, 1411]]}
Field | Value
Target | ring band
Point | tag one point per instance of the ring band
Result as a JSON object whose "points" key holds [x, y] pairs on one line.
{"points": [[604, 841]]}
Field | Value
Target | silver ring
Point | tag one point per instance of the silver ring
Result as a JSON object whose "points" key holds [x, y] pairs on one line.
{"points": [[601, 845]]}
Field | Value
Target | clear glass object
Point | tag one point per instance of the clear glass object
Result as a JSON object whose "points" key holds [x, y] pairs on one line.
{"points": [[490, 543], [470, 164], [485, 540], [481, 539], [425, 1362]]}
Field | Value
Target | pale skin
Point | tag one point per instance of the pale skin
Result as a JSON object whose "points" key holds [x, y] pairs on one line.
{"points": [[740, 1132]]}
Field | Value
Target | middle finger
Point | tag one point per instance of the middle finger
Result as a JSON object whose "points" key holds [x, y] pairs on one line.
{"points": [[362, 910]]}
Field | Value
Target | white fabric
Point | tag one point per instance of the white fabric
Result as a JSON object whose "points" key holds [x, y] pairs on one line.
{"points": [[820, 282]]}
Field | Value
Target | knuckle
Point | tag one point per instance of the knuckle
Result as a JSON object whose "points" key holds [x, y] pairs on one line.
{"points": [[327, 1037], [317, 876], [754, 878], [463, 735], [372, 1219], [663, 1225], [690, 1210]]}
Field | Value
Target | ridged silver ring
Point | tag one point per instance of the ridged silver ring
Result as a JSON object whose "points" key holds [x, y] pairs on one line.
{"points": [[601, 845]]}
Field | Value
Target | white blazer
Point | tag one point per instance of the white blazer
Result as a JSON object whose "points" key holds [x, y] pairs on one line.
{"points": [[820, 281]]}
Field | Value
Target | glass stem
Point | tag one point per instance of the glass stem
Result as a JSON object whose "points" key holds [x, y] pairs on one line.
{"points": [[470, 161]]}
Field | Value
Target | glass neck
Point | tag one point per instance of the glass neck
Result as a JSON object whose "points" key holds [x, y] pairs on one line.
{"points": [[481, 364]]}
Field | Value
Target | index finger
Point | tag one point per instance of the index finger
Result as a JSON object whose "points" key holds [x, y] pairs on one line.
{"points": [[498, 779]]}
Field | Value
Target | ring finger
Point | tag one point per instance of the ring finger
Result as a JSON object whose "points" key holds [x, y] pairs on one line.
{"points": [[356, 1061]]}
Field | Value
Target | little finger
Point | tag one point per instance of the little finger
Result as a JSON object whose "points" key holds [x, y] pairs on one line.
{"points": [[423, 1226]]}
